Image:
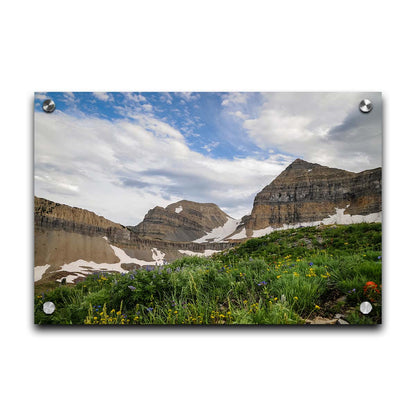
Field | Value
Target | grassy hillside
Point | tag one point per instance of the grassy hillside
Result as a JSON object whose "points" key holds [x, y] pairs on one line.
{"points": [[287, 277]]}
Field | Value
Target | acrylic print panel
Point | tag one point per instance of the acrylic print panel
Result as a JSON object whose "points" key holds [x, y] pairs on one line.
{"points": [[203, 208]]}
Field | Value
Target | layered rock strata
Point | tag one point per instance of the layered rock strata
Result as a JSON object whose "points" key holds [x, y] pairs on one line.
{"points": [[181, 221], [307, 192]]}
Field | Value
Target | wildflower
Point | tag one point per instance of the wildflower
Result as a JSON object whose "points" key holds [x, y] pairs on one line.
{"points": [[371, 286], [278, 276], [379, 257], [317, 307], [149, 309], [131, 287], [275, 299], [283, 298], [296, 298], [310, 264], [175, 312], [263, 283]]}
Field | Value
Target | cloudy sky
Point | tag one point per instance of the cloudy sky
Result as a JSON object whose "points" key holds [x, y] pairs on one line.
{"points": [[121, 154]]}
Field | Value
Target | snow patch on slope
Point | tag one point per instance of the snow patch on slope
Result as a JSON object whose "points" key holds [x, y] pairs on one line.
{"points": [[220, 233], [206, 253], [179, 209], [240, 235], [262, 232], [158, 256], [39, 271], [77, 267], [338, 218]]}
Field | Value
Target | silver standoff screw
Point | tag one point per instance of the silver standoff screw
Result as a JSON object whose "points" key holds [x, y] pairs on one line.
{"points": [[366, 106], [48, 106], [49, 308], [366, 308]]}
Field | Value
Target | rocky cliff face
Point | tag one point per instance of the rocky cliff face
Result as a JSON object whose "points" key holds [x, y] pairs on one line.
{"points": [[72, 242], [307, 192], [49, 211], [181, 221]]}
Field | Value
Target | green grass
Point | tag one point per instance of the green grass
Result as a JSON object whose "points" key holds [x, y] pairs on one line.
{"points": [[283, 278]]}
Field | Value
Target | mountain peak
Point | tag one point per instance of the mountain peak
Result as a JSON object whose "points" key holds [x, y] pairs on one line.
{"points": [[181, 221], [301, 163]]}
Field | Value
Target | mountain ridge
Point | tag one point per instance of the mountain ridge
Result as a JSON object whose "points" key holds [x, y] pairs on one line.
{"points": [[71, 241]]}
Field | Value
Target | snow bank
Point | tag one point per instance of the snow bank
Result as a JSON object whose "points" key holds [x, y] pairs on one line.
{"points": [[179, 209], [40, 270], [158, 256], [76, 268], [338, 218], [240, 235], [220, 233], [206, 253]]}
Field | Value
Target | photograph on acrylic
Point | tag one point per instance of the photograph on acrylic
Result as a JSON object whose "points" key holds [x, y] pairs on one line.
{"points": [[207, 208]]}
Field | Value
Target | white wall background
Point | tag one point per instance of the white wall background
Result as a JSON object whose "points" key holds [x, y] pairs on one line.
{"points": [[215, 45]]}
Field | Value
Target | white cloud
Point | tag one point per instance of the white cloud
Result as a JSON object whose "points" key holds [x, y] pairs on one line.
{"points": [[232, 98], [209, 147], [122, 169], [188, 96], [166, 97], [325, 128], [103, 96], [134, 97], [69, 96], [238, 114], [41, 96]]}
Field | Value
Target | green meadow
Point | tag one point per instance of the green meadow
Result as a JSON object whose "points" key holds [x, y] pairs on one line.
{"points": [[288, 277]]}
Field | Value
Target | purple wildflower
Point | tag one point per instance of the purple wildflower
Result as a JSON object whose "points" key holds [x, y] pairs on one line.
{"points": [[310, 264], [131, 287]]}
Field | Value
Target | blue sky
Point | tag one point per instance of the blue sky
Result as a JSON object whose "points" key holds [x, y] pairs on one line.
{"points": [[121, 154], [208, 126]]}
